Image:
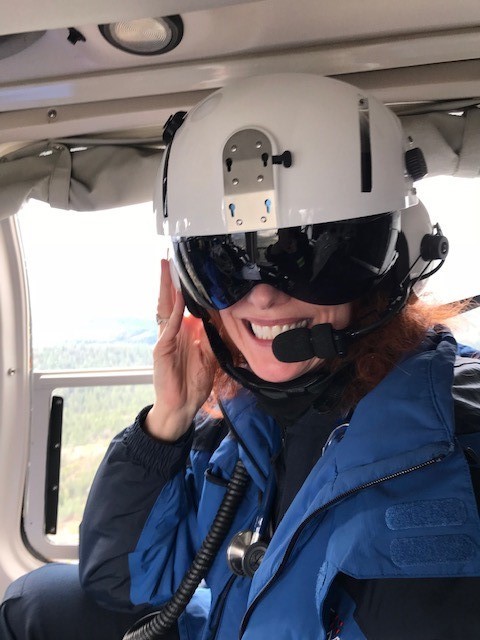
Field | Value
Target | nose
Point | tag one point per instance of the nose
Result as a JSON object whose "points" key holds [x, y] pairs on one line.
{"points": [[264, 296]]}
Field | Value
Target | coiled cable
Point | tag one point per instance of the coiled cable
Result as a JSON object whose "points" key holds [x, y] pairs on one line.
{"points": [[159, 624]]}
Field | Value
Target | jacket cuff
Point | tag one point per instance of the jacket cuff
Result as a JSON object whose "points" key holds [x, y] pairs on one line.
{"points": [[164, 458]]}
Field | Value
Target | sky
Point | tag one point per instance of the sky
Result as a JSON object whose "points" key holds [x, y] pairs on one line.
{"points": [[85, 269], [455, 204]]}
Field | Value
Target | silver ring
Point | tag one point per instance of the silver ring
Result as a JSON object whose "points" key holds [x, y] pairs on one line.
{"points": [[160, 320]]}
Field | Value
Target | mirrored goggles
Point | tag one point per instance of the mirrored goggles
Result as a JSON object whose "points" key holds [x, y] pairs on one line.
{"points": [[326, 264]]}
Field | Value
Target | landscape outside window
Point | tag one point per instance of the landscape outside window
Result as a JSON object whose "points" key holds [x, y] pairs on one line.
{"points": [[92, 416], [93, 282]]}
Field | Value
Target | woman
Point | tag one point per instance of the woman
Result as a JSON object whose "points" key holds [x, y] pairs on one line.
{"points": [[350, 422]]}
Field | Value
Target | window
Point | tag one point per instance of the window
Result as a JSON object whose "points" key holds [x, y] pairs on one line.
{"points": [[92, 415], [93, 281]]}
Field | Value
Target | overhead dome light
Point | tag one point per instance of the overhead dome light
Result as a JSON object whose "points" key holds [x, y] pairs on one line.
{"points": [[145, 36]]}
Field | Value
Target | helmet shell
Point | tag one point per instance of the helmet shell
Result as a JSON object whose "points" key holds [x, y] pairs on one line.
{"points": [[330, 128], [416, 225]]}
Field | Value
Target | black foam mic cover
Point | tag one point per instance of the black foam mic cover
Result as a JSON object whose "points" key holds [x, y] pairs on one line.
{"points": [[323, 340], [293, 346], [297, 345]]}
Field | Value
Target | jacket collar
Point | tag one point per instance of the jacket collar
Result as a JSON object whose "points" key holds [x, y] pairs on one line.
{"points": [[257, 434], [411, 408], [407, 415], [404, 424]]}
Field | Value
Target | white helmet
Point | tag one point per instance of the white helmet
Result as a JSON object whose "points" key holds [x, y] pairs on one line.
{"points": [[420, 247], [293, 180], [279, 151]]}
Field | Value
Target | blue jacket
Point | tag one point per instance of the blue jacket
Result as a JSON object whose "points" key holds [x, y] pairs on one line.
{"points": [[391, 497]]}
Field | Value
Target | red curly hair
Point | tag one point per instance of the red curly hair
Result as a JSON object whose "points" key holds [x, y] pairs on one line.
{"points": [[373, 356]]}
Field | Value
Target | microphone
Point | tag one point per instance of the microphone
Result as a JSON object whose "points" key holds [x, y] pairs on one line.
{"points": [[321, 341]]}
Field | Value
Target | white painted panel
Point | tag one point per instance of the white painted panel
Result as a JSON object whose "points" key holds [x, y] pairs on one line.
{"points": [[14, 406], [53, 14], [213, 73]]}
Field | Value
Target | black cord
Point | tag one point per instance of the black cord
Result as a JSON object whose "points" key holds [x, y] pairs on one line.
{"points": [[159, 624]]}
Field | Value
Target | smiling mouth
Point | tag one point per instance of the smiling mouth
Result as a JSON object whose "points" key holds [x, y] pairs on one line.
{"points": [[269, 332]]}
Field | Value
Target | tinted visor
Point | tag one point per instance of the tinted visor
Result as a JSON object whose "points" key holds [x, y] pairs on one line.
{"points": [[330, 263]]}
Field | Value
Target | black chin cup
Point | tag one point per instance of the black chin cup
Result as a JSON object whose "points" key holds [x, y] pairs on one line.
{"points": [[321, 341]]}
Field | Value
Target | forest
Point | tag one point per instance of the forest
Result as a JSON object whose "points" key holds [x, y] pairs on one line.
{"points": [[91, 417]]}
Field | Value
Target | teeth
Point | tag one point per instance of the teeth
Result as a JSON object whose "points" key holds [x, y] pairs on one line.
{"points": [[269, 333]]}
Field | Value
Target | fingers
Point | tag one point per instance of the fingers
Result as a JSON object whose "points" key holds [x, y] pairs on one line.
{"points": [[176, 317], [170, 312], [166, 298], [207, 355], [169, 327]]}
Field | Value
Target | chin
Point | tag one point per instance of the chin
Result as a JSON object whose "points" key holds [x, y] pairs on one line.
{"points": [[284, 371]]}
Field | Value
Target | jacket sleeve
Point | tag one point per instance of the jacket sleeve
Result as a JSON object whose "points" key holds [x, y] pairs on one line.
{"points": [[416, 609], [466, 395], [136, 535]]}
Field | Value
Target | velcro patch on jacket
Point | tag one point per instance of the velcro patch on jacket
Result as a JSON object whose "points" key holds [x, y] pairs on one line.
{"points": [[424, 550], [426, 513]]}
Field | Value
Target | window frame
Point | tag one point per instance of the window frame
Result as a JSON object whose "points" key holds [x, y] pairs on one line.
{"points": [[43, 385], [15, 406]]}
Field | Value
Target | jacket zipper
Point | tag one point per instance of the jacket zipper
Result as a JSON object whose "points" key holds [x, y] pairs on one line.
{"points": [[313, 515], [220, 607]]}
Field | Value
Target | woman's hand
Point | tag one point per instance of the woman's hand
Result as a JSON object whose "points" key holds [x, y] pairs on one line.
{"points": [[183, 365]]}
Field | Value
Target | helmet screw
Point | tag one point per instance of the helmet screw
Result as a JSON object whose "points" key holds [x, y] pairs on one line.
{"points": [[258, 145], [52, 114], [263, 219], [259, 178], [239, 221], [234, 148], [235, 181]]}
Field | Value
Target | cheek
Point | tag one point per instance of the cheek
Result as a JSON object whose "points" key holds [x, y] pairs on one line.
{"points": [[339, 316], [344, 316], [229, 323]]}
